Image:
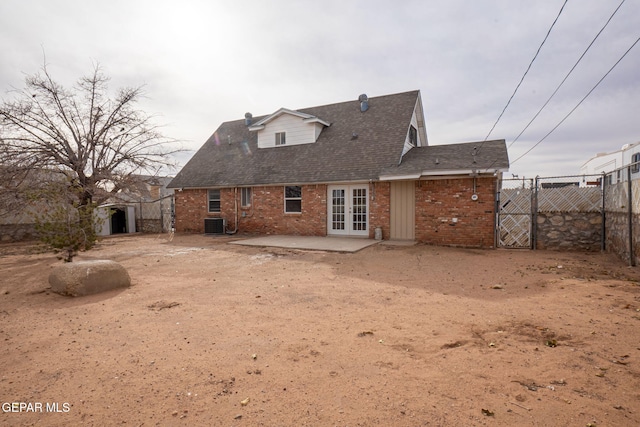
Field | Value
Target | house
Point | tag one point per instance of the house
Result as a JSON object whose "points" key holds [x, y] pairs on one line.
{"points": [[144, 205], [345, 169], [613, 163]]}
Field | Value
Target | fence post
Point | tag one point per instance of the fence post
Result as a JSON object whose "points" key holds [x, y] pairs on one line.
{"points": [[496, 228], [603, 239], [632, 257], [534, 214]]}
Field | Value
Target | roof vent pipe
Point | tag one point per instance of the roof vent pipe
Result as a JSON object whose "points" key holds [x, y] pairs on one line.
{"points": [[247, 119], [364, 102]]}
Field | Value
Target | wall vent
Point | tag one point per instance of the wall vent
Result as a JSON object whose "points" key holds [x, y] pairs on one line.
{"points": [[214, 225]]}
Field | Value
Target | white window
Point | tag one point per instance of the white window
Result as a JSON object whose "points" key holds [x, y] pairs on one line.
{"points": [[413, 136], [245, 197], [293, 199], [281, 138], [214, 200]]}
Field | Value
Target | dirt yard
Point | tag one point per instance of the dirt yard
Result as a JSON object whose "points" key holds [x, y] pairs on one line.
{"points": [[213, 334]]}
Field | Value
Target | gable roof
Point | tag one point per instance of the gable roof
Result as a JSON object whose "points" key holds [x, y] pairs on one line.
{"points": [[355, 147], [307, 118], [449, 159]]}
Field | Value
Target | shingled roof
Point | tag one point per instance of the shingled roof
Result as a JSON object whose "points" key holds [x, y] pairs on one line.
{"points": [[357, 146], [231, 156], [469, 157]]}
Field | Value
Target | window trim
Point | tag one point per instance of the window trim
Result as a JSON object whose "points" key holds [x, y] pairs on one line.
{"points": [[286, 199], [413, 135], [281, 138], [246, 197], [210, 199]]}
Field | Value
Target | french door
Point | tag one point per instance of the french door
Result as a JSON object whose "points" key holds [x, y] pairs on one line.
{"points": [[348, 210]]}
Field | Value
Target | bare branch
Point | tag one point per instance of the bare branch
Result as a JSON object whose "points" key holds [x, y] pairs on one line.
{"points": [[100, 141]]}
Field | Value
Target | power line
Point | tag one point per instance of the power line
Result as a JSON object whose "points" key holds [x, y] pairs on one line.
{"points": [[581, 101], [568, 74], [528, 68]]}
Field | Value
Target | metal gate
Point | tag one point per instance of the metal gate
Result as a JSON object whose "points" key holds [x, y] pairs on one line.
{"points": [[156, 216], [515, 213]]}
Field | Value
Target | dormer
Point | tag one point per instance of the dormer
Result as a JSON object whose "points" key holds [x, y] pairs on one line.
{"points": [[417, 133], [288, 127]]}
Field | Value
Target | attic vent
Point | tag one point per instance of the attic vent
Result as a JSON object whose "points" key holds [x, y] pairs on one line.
{"points": [[214, 225], [364, 102], [248, 117]]}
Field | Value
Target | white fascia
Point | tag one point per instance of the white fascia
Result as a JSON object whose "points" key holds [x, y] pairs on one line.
{"points": [[399, 177], [461, 172], [307, 118], [315, 119]]}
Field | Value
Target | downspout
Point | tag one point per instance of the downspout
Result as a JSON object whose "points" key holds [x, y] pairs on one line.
{"points": [[235, 199]]}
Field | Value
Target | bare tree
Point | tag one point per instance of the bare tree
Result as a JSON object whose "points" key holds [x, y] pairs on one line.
{"points": [[96, 144]]}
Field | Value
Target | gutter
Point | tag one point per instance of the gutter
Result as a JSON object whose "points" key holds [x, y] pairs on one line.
{"points": [[235, 199], [437, 173]]}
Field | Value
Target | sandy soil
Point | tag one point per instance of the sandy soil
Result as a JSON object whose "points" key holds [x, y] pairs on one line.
{"points": [[214, 334]]}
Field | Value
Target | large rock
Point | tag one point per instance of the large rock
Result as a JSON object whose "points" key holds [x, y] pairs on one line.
{"points": [[88, 277]]}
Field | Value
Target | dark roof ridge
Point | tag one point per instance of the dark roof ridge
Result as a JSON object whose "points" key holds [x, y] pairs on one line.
{"points": [[356, 100]]}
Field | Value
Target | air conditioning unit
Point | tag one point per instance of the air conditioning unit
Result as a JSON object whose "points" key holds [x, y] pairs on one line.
{"points": [[214, 225]]}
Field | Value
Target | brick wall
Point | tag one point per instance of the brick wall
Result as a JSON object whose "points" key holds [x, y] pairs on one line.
{"points": [[265, 215], [190, 210], [446, 215], [379, 200], [438, 202]]}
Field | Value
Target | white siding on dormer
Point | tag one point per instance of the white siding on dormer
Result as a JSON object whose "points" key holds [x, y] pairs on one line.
{"points": [[297, 131], [318, 129], [421, 132]]}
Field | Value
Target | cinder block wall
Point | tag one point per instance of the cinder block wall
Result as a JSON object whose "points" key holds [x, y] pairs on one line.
{"points": [[569, 231], [617, 235], [446, 215]]}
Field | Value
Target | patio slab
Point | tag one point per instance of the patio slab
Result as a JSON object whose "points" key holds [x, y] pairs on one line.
{"points": [[333, 244]]}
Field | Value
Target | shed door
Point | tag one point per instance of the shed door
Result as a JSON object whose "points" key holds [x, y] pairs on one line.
{"points": [[348, 210], [403, 209]]}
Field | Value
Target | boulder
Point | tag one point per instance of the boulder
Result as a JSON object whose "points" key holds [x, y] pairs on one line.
{"points": [[88, 277]]}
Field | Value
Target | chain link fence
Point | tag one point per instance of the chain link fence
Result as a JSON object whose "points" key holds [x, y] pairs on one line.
{"points": [[156, 216], [622, 209], [515, 207], [576, 212], [563, 212]]}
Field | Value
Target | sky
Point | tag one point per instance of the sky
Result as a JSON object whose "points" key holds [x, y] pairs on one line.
{"points": [[206, 62]]}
